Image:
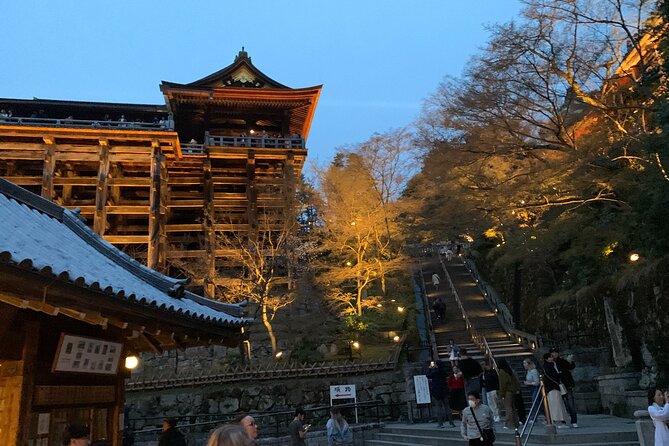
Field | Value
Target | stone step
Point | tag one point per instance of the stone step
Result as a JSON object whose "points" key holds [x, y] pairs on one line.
{"points": [[406, 434]]}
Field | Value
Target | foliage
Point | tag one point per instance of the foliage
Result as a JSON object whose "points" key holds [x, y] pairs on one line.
{"points": [[552, 148]]}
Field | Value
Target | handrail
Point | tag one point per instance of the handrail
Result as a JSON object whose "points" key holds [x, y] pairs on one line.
{"points": [[426, 313], [501, 310], [478, 338], [255, 141], [164, 125]]}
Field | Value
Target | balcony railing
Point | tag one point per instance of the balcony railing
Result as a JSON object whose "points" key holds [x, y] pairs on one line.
{"points": [[87, 123], [255, 141]]}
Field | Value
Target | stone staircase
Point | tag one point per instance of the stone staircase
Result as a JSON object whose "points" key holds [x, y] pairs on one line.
{"points": [[598, 430], [479, 312]]}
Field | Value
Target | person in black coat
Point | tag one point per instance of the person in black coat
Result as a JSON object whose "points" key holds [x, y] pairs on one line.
{"points": [[171, 435], [436, 376], [565, 367], [472, 371]]}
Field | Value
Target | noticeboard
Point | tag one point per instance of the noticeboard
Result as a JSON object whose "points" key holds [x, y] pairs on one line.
{"points": [[79, 354]]}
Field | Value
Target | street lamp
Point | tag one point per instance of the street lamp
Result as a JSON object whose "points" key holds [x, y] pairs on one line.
{"points": [[634, 257], [131, 362], [396, 338], [400, 309]]}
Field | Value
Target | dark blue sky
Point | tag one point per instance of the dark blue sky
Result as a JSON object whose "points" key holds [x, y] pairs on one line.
{"points": [[377, 60]]}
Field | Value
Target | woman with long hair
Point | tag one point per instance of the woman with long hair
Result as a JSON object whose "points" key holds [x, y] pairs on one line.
{"points": [[508, 388], [339, 432], [658, 409], [230, 435], [533, 380], [556, 405]]}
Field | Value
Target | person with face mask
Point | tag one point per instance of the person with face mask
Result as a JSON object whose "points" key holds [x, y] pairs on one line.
{"points": [[477, 422], [659, 412]]}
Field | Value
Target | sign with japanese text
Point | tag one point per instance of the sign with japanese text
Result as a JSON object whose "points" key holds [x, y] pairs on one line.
{"points": [[422, 387]]}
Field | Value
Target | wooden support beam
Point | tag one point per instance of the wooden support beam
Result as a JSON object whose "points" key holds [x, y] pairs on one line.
{"points": [[251, 197], [100, 214], [209, 231], [156, 208], [48, 169]]}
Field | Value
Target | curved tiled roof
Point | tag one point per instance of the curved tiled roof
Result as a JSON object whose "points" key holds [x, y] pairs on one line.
{"points": [[39, 235]]}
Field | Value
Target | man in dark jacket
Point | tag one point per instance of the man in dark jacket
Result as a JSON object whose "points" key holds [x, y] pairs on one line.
{"points": [[565, 367], [472, 371], [171, 435], [436, 376]]}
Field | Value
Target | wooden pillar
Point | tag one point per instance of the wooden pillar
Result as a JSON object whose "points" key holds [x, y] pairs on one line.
{"points": [[49, 166], [100, 216], [251, 196], [66, 196], [30, 345], [289, 211], [164, 198], [209, 230], [158, 207]]}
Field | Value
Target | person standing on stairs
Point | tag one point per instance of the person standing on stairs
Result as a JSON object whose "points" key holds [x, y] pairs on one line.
{"points": [[565, 367], [508, 388], [490, 386], [439, 391], [472, 372], [453, 352], [435, 281]]}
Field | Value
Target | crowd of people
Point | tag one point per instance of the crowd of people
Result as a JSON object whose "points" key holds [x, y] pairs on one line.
{"points": [[243, 431], [479, 387]]}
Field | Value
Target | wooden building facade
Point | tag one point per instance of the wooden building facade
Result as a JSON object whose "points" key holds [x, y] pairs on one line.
{"points": [[72, 308], [158, 181]]}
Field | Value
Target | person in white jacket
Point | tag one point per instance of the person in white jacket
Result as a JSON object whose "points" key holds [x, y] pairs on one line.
{"points": [[436, 280], [659, 412]]}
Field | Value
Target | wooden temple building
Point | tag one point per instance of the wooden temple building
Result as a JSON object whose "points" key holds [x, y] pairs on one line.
{"points": [[72, 308], [159, 181]]}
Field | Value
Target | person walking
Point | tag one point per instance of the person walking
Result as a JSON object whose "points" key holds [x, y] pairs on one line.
{"points": [[436, 280], [338, 430], [456, 387], [439, 391], [552, 387], [490, 386], [565, 366], [297, 429], [533, 380], [439, 307], [230, 435], [508, 388], [472, 371], [477, 422], [171, 435], [658, 409]]}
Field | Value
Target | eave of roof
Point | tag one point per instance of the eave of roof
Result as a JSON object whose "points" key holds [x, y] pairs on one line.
{"points": [[158, 108], [122, 277]]}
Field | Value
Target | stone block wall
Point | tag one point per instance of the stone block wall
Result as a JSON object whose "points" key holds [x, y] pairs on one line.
{"points": [[146, 409]]}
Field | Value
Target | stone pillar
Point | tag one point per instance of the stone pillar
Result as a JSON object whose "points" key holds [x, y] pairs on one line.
{"points": [[644, 428]]}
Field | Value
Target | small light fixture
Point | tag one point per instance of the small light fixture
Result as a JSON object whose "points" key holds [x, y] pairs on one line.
{"points": [[400, 309], [355, 345], [349, 263], [634, 257], [379, 305], [396, 338], [278, 355], [392, 300], [252, 132], [131, 362]]}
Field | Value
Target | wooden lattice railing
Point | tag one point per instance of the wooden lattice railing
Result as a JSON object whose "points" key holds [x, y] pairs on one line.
{"points": [[266, 372]]}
